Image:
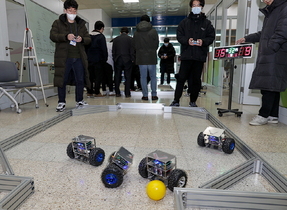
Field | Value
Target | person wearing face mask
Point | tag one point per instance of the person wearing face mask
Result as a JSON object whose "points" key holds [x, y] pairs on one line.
{"points": [[195, 33], [71, 66], [166, 54], [270, 73]]}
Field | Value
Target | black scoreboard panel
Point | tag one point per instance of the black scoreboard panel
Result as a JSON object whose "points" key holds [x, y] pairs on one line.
{"points": [[233, 51]]}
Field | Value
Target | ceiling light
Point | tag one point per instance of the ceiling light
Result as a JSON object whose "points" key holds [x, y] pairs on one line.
{"points": [[130, 1]]}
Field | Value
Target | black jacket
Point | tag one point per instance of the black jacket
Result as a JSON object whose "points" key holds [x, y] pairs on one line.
{"points": [[122, 47], [169, 51], [145, 43], [97, 51], [58, 34], [196, 27], [270, 72]]}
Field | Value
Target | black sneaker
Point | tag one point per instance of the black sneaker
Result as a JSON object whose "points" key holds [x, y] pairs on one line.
{"points": [[174, 103], [61, 107], [192, 104], [154, 98]]}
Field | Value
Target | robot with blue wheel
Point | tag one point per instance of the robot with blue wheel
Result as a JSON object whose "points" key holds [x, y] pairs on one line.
{"points": [[119, 163], [84, 148], [159, 165], [216, 137]]}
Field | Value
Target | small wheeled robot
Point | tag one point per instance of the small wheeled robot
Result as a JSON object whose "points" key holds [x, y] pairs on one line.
{"points": [[119, 163], [84, 148], [216, 137], [159, 165]]}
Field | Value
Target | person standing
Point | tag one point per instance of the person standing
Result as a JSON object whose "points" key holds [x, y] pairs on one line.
{"points": [[135, 77], [270, 73], [109, 72], [71, 67], [123, 56], [97, 57], [195, 33], [145, 42], [166, 54]]}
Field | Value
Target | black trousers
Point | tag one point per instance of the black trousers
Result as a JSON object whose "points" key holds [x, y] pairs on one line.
{"points": [[108, 78], [96, 71], [270, 104], [163, 70], [191, 71], [119, 66], [135, 76]]}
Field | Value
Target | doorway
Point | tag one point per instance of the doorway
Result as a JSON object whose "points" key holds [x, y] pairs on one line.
{"points": [[16, 27]]}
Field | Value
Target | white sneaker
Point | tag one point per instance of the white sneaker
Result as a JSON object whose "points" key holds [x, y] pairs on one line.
{"points": [[273, 120], [81, 103], [112, 93], [61, 107], [258, 120]]}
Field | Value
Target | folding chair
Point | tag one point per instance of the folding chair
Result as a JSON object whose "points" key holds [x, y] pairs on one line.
{"points": [[9, 82]]}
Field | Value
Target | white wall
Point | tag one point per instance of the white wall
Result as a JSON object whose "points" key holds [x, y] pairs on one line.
{"points": [[93, 15], [53, 5]]}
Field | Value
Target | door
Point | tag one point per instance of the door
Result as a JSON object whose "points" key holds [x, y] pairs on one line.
{"points": [[217, 73], [4, 40], [231, 29], [16, 26], [254, 24]]}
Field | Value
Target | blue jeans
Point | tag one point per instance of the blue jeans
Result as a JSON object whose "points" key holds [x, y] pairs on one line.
{"points": [[151, 70], [75, 66]]}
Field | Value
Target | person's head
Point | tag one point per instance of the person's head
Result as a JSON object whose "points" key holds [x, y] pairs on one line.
{"points": [[196, 6], [124, 30], [145, 18], [166, 41], [268, 2], [99, 26], [70, 8]]}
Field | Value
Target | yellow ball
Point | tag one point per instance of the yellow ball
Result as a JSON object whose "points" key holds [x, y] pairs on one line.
{"points": [[156, 190]]}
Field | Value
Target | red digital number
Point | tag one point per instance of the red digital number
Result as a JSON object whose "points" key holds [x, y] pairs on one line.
{"points": [[222, 53], [248, 51], [241, 51], [217, 53]]}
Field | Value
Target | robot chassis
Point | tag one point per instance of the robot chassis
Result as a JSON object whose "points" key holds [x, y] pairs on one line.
{"points": [[118, 165], [84, 148], [159, 165], [216, 137]]}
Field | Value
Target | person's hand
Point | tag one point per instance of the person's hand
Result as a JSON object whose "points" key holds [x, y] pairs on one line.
{"points": [[78, 39], [199, 41], [71, 37], [192, 43], [239, 41]]}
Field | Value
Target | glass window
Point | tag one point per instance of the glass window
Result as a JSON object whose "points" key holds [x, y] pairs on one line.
{"points": [[116, 32]]}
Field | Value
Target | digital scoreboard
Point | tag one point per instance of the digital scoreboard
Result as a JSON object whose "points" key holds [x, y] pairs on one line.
{"points": [[233, 51]]}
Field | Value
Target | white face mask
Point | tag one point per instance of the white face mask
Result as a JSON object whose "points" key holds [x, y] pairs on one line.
{"points": [[166, 44], [196, 10], [71, 16]]}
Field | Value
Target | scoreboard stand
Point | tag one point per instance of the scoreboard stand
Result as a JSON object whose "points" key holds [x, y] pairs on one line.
{"points": [[232, 52]]}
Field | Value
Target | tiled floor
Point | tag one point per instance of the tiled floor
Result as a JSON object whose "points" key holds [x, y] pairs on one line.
{"points": [[64, 183]]}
